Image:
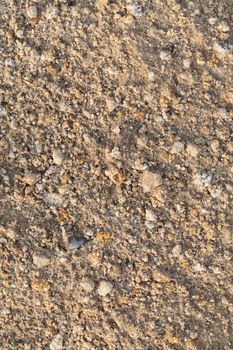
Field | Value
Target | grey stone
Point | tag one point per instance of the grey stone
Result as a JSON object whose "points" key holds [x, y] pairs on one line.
{"points": [[76, 243]]}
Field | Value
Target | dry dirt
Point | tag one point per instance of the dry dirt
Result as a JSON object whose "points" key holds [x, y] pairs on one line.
{"points": [[116, 175]]}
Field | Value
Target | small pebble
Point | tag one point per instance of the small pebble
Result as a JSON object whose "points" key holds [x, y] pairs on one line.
{"points": [[40, 260], [212, 20], [90, 233], [57, 342], [51, 13], [63, 259], [20, 34], [198, 267], [160, 277], [75, 243], [202, 180], [54, 199], [227, 236], [149, 225], [150, 181], [87, 284], [63, 189], [177, 147], [223, 48], [214, 145], [150, 215], [31, 178], [58, 157], [71, 2], [192, 150], [165, 56], [32, 11], [116, 130], [11, 234], [223, 27], [186, 63], [104, 288], [135, 9], [176, 251], [229, 188]]}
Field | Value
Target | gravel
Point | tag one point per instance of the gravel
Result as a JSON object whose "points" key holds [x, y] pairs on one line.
{"points": [[116, 175]]}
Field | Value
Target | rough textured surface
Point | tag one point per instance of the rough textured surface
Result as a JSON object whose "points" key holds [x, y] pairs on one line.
{"points": [[94, 94]]}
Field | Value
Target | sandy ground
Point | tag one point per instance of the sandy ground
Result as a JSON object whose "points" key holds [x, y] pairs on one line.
{"points": [[116, 175]]}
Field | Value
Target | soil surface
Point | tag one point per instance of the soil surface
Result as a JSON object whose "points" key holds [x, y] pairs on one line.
{"points": [[116, 175]]}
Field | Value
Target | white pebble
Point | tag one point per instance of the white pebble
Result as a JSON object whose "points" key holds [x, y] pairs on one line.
{"points": [[63, 259], [87, 284], [116, 130], [40, 260], [135, 9], [54, 199], [57, 342], [219, 49], [198, 267], [176, 251], [32, 11], [104, 288], [186, 63], [212, 20], [165, 56], [150, 215], [20, 34], [223, 27], [202, 180]]}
